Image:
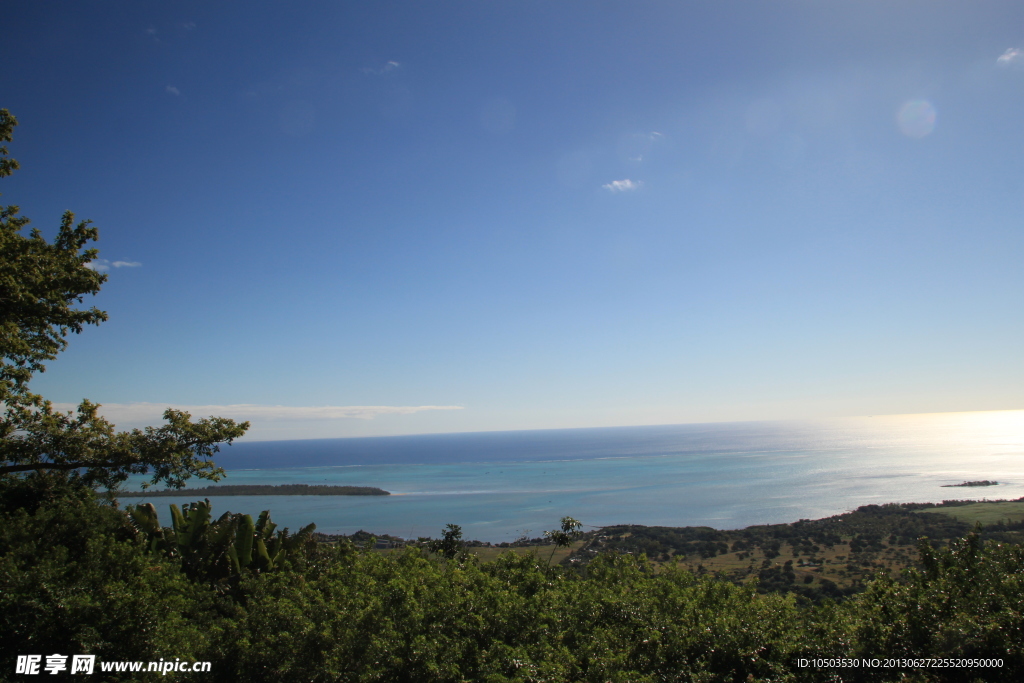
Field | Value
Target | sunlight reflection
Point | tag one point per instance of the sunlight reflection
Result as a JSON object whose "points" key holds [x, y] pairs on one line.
{"points": [[974, 432]]}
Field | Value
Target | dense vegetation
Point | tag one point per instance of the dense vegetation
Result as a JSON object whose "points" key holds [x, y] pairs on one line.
{"points": [[267, 490], [78, 575]]}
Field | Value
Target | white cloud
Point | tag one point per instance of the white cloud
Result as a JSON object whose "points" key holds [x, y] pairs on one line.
{"points": [[171, 89], [1012, 57], [102, 265], [388, 67], [626, 185], [138, 414]]}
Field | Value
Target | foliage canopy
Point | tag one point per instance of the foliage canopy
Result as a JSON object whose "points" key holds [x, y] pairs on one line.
{"points": [[337, 613]]}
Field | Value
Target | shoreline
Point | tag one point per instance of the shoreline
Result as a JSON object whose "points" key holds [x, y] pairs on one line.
{"points": [[262, 490]]}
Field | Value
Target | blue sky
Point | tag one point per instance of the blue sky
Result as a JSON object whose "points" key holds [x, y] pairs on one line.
{"points": [[346, 219]]}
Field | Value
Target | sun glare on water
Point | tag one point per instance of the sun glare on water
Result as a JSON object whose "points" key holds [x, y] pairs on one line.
{"points": [[994, 431]]}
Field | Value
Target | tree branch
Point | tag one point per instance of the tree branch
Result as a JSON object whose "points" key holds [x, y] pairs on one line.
{"points": [[55, 466]]}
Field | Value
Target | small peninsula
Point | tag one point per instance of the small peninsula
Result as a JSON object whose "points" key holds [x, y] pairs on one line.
{"points": [[984, 482], [267, 490]]}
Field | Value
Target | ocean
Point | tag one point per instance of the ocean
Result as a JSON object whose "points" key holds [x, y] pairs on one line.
{"points": [[500, 485]]}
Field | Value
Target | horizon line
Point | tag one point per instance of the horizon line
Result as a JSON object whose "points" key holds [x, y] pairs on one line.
{"points": [[651, 424]]}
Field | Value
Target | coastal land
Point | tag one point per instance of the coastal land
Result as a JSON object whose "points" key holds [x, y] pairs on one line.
{"points": [[824, 558], [266, 490], [833, 557]]}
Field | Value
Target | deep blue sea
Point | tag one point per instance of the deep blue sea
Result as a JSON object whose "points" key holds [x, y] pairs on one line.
{"points": [[500, 485]]}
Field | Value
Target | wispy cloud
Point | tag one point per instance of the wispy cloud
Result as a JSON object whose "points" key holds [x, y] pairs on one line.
{"points": [[149, 413], [1012, 57], [388, 67], [171, 89], [636, 146], [625, 185], [102, 265]]}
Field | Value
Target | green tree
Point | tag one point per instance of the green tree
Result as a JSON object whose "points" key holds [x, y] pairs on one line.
{"points": [[564, 537], [40, 284], [450, 544], [966, 601]]}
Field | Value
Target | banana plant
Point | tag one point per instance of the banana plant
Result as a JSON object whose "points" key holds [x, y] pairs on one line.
{"points": [[147, 522], [219, 550]]}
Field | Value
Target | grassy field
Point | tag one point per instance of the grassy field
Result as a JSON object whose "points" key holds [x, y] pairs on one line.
{"points": [[543, 552], [837, 564], [989, 512]]}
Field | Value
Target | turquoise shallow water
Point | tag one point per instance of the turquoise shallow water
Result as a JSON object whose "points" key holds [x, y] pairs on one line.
{"points": [[725, 476]]}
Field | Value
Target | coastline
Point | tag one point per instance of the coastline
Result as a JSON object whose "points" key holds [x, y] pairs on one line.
{"points": [[265, 490]]}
